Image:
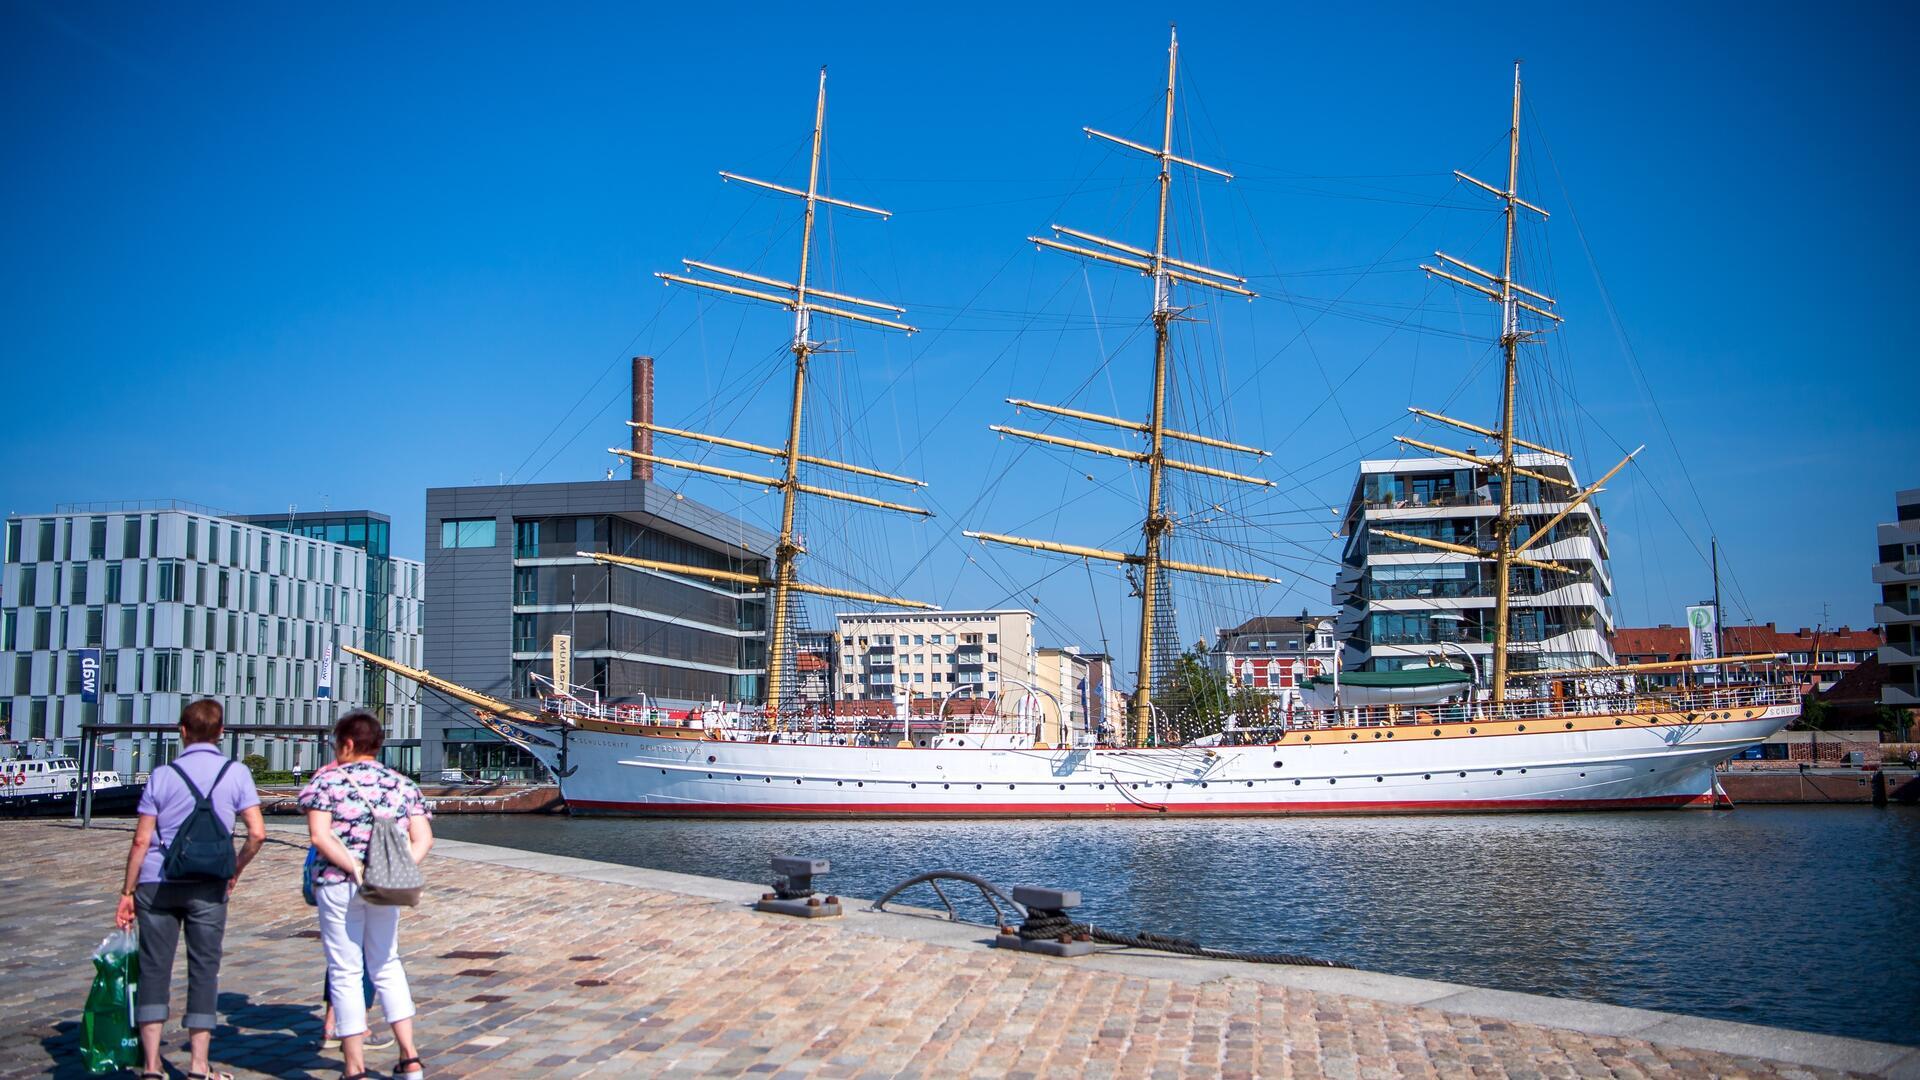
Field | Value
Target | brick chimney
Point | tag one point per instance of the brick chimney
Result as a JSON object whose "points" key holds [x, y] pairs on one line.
{"points": [[642, 414]]}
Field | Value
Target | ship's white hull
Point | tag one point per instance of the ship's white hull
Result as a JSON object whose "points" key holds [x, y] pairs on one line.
{"points": [[1634, 764]]}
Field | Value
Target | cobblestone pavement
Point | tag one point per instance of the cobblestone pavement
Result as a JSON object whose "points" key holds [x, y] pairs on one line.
{"points": [[523, 974]]}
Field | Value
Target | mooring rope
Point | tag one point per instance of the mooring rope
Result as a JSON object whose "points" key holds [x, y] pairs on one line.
{"points": [[1056, 926]]}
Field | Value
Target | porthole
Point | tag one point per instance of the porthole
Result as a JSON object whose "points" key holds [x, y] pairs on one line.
{"points": [[1331, 780], [1569, 725], [1169, 787], [1103, 787], [1309, 738], [1523, 772], [769, 779], [1436, 731], [1249, 783], [1389, 734], [1583, 774], [796, 780], [1618, 722], [1521, 727], [859, 783], [1276, 764], [1356, 735], [1203, 783], [1499, 772], [1379, 779], [1063, 787], [709, 776], [1009, 787], [976, 787], [663, 772], [839, 783], [1473, 731], [710, 759], [1426, 776], [1296, 783], [913, 785], [1463, 776], [736, 778], [946, 787]]}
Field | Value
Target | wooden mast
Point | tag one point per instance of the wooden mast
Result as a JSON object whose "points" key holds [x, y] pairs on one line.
{"points": [[784, 548], [1509, 349], [802, 298], [1164, 270], [1140, 709]]}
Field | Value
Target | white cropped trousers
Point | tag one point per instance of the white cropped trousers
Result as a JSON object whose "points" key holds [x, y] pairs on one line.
{"points": [[361, 938]]}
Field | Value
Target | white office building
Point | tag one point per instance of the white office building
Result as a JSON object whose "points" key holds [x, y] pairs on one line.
{"points": [[1402, 604], [934, 654], [1897, 574], [183, 602]]}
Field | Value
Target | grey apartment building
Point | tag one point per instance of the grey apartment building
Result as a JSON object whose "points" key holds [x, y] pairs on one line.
{"points": [[185, 602], [1896, 572], [504, 577]]}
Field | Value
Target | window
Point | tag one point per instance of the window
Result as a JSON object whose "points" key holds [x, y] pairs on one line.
{"points": [[29, 582], [993, 639], [43, 628], [213, 542], [166, 671], [193, 533], [96, 626], [130, 538], [469, 533], [129, 627], [172, 581], [46, 541], [13, 541], [112, 595], [97, 538], [9, 627]]}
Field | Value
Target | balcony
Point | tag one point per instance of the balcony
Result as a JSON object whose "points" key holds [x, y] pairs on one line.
{"points": [[1899, 570], [1900, 654], [969, 658], [1896, 611]]}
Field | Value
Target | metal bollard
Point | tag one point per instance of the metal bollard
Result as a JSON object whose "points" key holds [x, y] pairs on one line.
{"points": [[1044, 907], [793, 892]]}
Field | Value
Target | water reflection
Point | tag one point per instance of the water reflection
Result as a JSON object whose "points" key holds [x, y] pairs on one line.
{"points": [[1778, 915]]}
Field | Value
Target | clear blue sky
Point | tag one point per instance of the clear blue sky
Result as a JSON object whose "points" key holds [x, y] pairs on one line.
{"points": [[257, 257]]}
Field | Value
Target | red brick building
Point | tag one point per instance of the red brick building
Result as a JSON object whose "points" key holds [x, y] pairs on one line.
{"points": [[1822, 656]]}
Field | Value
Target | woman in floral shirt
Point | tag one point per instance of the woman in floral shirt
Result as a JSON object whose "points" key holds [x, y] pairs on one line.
{"points": [[341, 804]]}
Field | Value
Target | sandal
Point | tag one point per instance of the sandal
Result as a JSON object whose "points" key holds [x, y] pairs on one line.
{"points": [[210, 1075], [411, 1068]]}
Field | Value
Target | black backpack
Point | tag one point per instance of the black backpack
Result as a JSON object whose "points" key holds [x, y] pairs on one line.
{"points": [[202, 848]]}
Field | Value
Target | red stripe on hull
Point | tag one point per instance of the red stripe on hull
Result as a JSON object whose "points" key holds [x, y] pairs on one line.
{"points": [[977, 810]]}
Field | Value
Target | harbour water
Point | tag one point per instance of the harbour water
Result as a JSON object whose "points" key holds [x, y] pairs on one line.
{"points": [[1794, 917]]}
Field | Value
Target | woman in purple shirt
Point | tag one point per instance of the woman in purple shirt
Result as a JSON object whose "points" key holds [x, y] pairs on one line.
{"points": [[163, 908]]}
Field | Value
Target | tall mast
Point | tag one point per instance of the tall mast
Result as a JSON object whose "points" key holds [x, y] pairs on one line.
{"points": [[1509, 348], [802, 298], [1141, 707], [1513, 299], [785, 549], [1164, 269]]}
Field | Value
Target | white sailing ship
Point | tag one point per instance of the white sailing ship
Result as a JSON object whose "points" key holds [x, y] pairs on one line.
{"points": [[1534, 740]]}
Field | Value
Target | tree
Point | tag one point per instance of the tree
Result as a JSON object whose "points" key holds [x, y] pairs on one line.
{"points": [[1196, 698], [255, 763]]}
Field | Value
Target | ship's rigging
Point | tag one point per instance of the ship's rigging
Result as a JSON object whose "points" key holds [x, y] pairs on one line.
{"points": [[802, 297], [1164, 270]]}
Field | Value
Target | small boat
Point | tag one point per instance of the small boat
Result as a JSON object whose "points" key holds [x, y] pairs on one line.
{"points": [[51, 787]]}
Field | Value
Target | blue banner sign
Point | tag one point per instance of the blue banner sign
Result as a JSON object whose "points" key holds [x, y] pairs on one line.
{"points": [[89, 675]]}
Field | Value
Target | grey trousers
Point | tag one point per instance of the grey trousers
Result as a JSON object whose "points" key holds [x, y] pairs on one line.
{"points": [[162, 908]]}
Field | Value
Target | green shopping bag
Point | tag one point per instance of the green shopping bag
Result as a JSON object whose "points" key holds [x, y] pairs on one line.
{"points": [[108, 1038]]}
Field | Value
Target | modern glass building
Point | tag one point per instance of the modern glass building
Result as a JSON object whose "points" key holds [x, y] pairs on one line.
{"points": [[503, 568], [1402, 604], [183, 602]]}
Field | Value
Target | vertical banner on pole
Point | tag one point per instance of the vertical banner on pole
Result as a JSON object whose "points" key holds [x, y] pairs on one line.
{"points": [[89, 675], [323, 686], [1703, 633], [563, 664]]}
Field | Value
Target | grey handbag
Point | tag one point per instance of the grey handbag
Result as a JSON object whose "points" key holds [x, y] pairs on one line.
{"points": [[390, 877]]}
